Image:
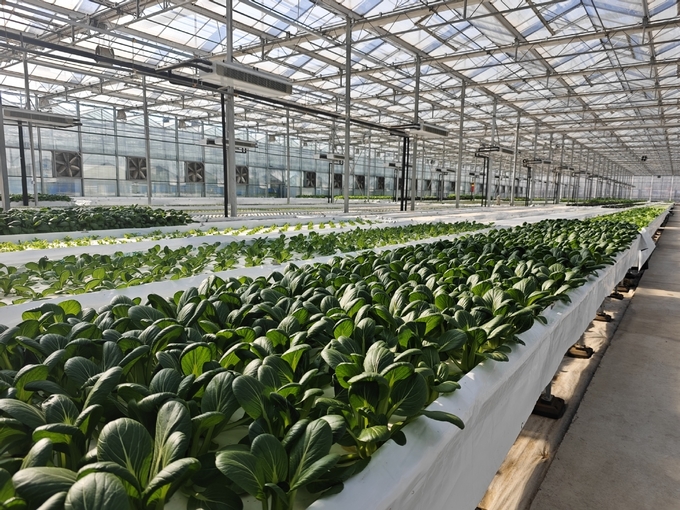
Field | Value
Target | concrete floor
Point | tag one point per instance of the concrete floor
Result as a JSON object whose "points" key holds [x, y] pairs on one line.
{"points": [[622, 452]]}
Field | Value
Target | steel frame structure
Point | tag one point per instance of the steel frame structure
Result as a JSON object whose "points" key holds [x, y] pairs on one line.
{"points": [[602, 75]]}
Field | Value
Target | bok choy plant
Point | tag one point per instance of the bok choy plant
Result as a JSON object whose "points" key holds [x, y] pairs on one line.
{"points": [[271, 386]]}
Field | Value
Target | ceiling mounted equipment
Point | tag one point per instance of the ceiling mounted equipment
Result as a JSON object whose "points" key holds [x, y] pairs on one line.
{"points": [[233, 74], [240, 146], [42, 119], [337, 159], [425, 130]]}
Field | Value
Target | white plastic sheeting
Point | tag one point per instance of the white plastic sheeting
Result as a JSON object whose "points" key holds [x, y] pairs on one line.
{"points": [[442, 467]]}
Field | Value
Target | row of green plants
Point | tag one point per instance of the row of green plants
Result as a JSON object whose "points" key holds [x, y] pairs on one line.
{"points": [[42, 197], [265, 388], [391, 197], [44, 220], [351, 197], [639, 216], [67, 242], [92, 272], [605, 202]]}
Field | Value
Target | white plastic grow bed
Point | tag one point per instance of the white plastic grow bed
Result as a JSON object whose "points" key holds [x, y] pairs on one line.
{"points": [[442, 467]]}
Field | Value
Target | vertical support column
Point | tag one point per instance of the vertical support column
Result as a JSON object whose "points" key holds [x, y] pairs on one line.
{"points": [[416, 119], [459, 170], [203, 184], [230, 121], [651, 186], [4, 177], [331, 150], [582, 172], [179, 169], [300, 160], [288, 155], [231, 151], [598, 178], [548, 172], [570, 186], [515, 157], [348, 89], [40, 160], [30, 132], [22, 162], [558, 177], [422, 173], [531, 188], [115, 149], [591, 179], [405, 151], [40, 152], [368, 176], [147, 142], [489, 161], [670, 197], [80, 151], [225, 162], [605, 182]]}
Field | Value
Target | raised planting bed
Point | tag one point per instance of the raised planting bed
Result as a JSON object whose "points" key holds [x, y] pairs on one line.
{"points": [[451, 468], [42, 197], [280, 385], [108, 238], [88, 272], [33, 221]]}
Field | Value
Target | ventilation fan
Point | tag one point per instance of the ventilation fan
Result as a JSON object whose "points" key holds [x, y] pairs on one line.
{"points": [[241, 174], [67, 164], [310, 179], [136, 169], [359, 181], [337, 181], [194, 171], [381, 182], [428, 184]]}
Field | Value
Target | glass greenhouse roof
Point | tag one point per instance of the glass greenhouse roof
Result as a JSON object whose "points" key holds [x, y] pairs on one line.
{"points": [[601, 75]]}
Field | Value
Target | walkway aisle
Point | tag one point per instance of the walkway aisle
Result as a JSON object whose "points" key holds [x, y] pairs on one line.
{"points": [[622, 452]]}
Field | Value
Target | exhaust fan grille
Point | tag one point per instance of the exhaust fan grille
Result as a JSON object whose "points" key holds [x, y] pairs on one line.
{"points": [[194, 171], [136, 168], [310, 179], [359, 181], [67, 164], [337, 181], [380, 182], [241, 174]]}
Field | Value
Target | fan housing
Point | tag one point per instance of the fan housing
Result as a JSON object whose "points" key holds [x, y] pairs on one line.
{"points": [[67, 164], [194, 171], [135, 168]]}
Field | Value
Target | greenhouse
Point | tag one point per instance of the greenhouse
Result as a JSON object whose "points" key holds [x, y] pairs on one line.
{"points": [[330, 254]]}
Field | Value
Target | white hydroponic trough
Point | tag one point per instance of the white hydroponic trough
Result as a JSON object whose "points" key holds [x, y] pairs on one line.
{"points": [[443, 467]]}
